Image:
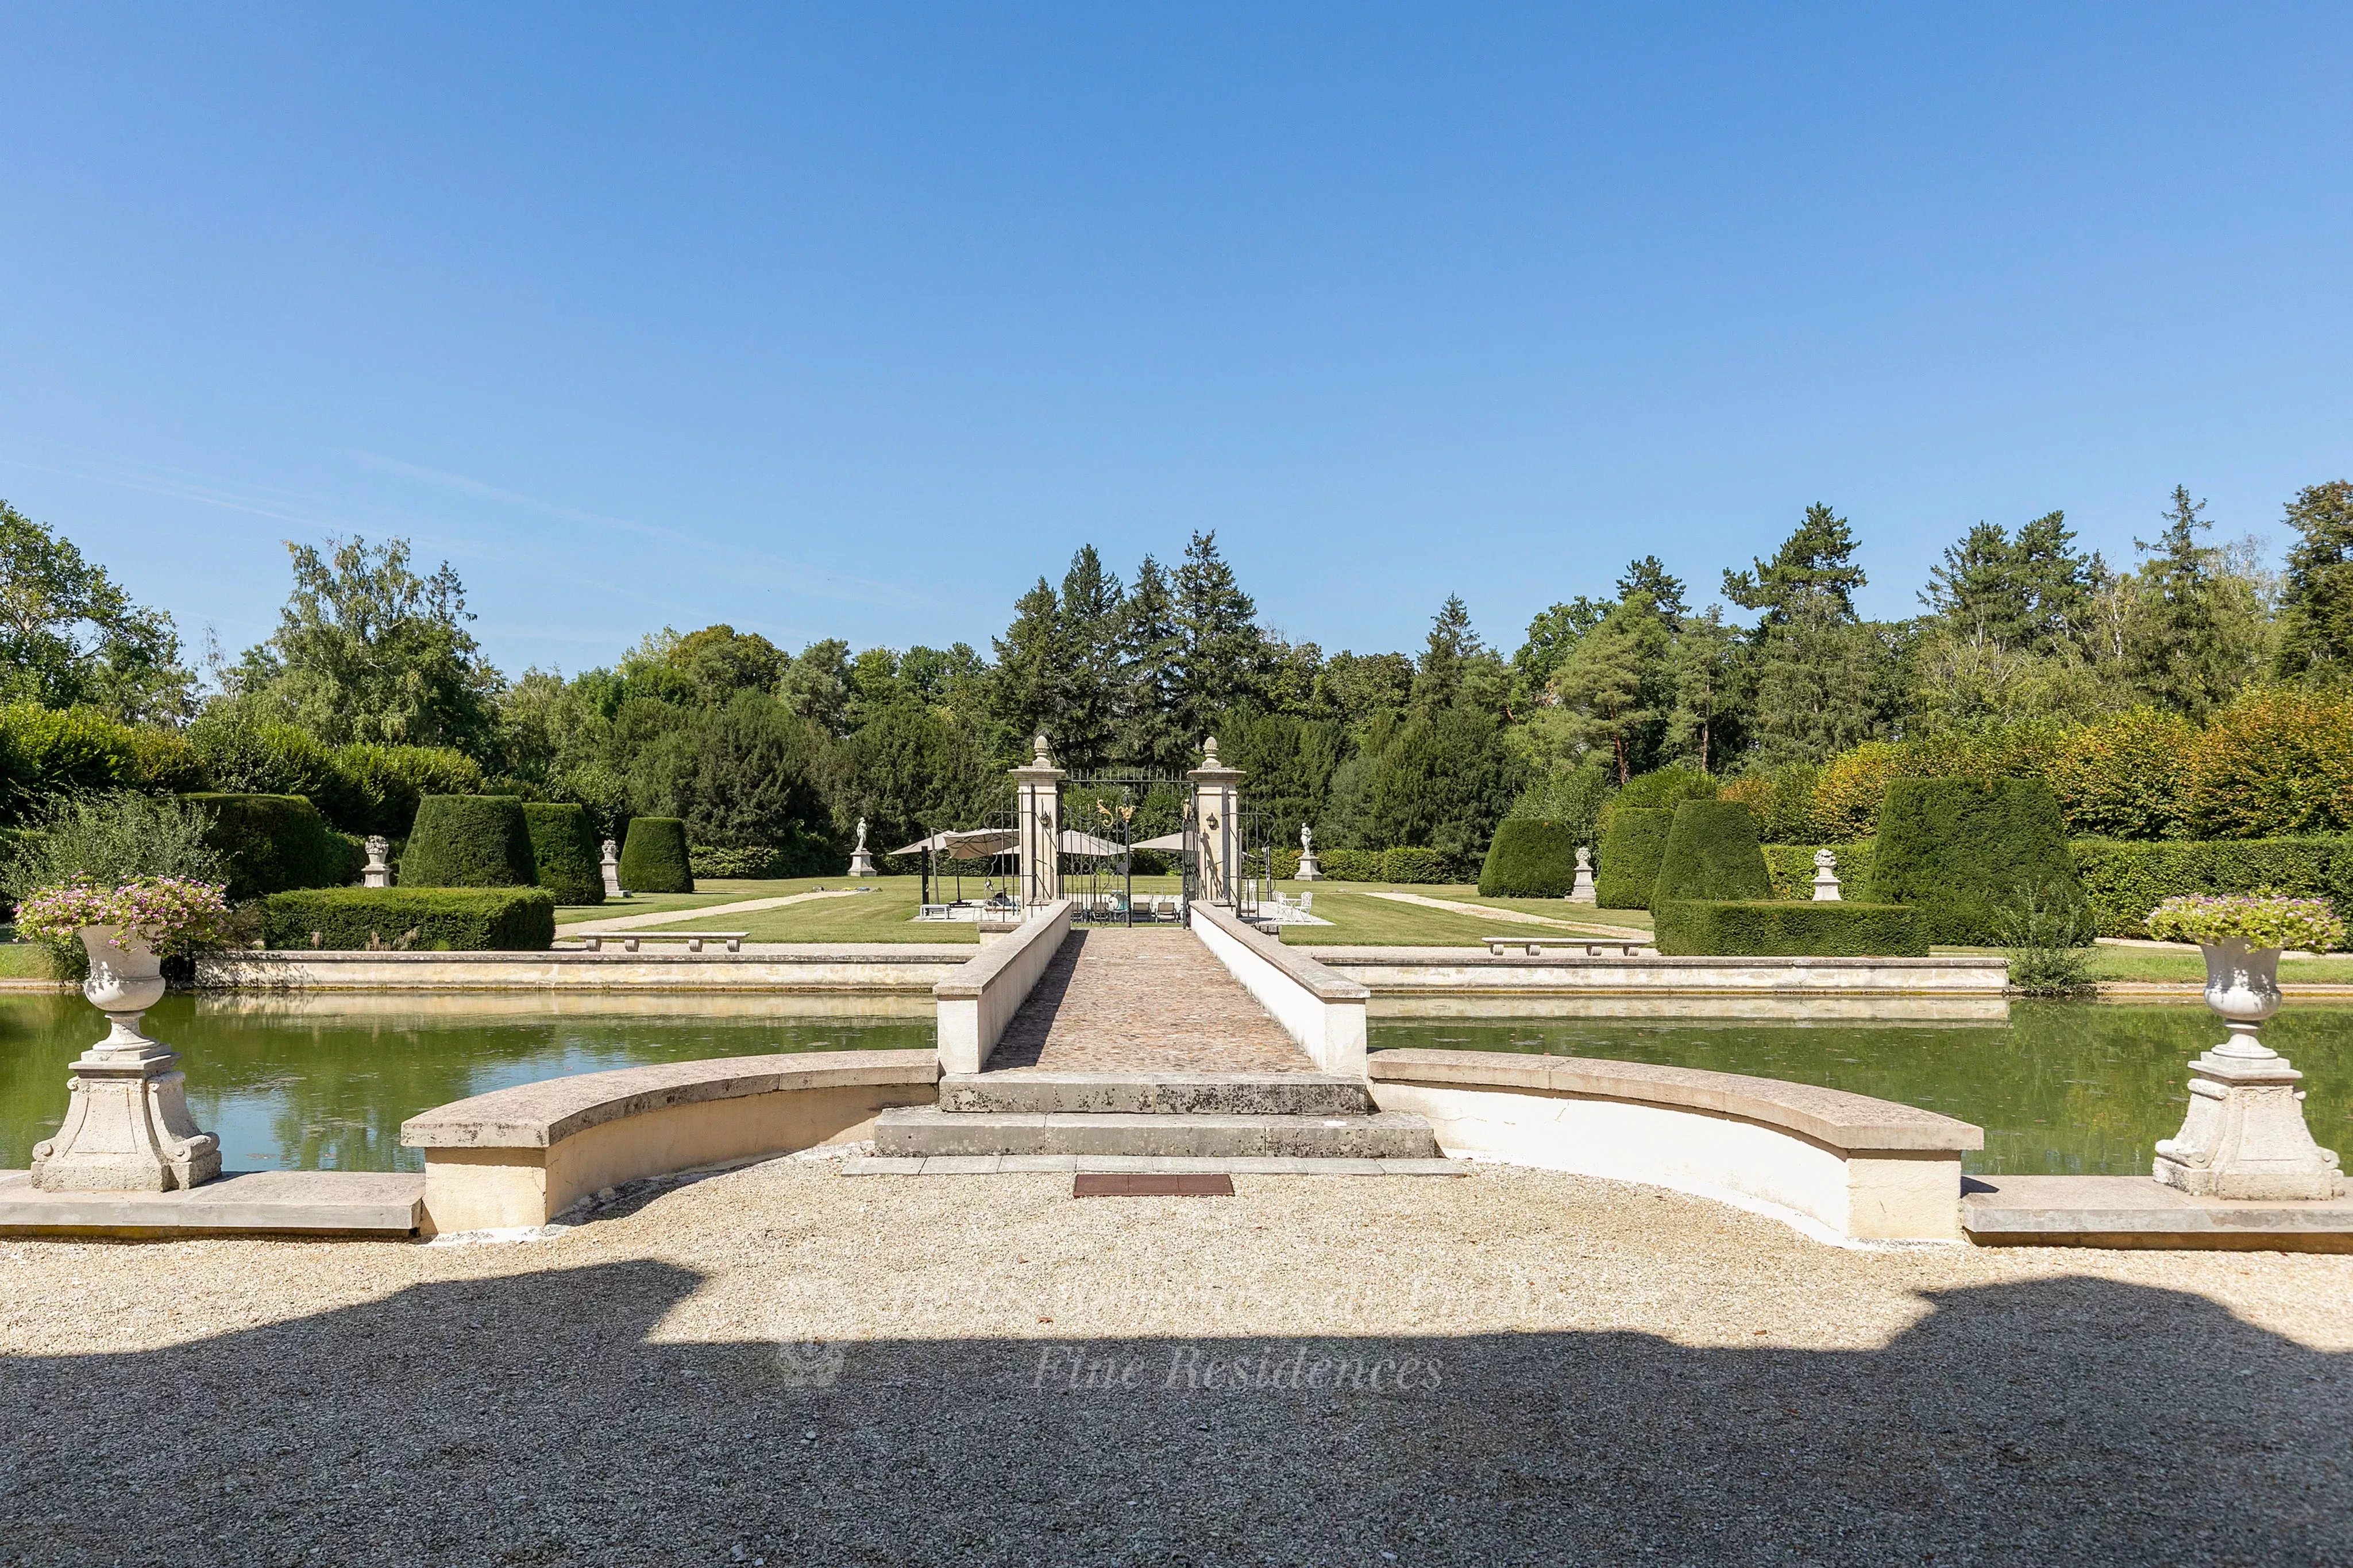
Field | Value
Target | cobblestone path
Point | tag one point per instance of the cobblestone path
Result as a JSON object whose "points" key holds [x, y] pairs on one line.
{"points": [[1118, 1001]]}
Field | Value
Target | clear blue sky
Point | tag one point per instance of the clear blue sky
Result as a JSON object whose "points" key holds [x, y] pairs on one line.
{"points": [[853, 321]]}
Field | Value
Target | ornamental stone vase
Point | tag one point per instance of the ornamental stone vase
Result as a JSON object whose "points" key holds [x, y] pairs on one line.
{"points": [[2245, 1135], [1580, 891], [127, 1127]]}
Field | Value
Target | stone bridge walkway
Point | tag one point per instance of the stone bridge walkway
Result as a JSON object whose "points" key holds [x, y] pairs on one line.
{"points": [[1115, 1000]]}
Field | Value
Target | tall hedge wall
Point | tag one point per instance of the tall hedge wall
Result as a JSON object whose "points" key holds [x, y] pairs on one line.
{"points": [[565, 851], [1791, 867], [1711, 852], [1958, 850], [2125, 881], [654, 858], [463, 919], [273, 842], [1632, 847], [1529, 859], [468, 841]]}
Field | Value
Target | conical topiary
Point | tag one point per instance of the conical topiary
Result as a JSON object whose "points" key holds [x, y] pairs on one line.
{"points": [[653, 857], [1711, 852], [563, 845], [468, 841], [1631, 848]]}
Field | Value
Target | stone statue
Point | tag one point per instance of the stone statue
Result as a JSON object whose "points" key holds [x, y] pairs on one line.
{"points": [[1826, 882], [613, 870], [378, 873], [1306, 839], [861, 835], [1309, 871], [1581, 892], [862, 860]]}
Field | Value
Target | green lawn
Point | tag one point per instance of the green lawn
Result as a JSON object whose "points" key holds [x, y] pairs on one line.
{"points": [[712, 890], [1360, 921], [2156, 966]]}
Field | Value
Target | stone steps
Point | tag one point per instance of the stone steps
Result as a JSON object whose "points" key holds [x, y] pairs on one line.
{"points": [[1034, 1092], [1139, 1164], [923, 1131]]}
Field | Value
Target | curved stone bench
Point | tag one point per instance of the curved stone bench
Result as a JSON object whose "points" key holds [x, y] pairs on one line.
{"points": [[520, 1156], [1860, 1168]]}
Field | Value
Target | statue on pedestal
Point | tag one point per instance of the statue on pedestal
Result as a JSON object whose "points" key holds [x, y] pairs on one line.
{"points": [[1581, 892], [862, 860], [378, 873], [613, 870], [1309, 871]]}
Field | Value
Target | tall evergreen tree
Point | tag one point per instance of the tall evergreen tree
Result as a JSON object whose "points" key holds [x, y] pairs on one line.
{"points": [[1705, 680], [2194, 631], [1027, 690], [1602, 685], [1814, 571], [1445, 658], [1648, 578], [1149, 734], [2317, 600], [1221, 652], [1093, 622]]}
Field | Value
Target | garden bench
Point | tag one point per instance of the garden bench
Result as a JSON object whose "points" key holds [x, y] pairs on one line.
{"points": [[594, 941], [1536, 946]]}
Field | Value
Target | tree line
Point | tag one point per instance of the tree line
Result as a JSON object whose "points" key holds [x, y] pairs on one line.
{"points": [[756, 746]]}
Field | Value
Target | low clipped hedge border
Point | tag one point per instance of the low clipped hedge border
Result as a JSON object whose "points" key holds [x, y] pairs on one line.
{"points": [[565, 852], [275, 842], [1791, 867], [470, 841], [710, 860], [1403, 865], [1711, 852], [2126, 880], [1529, 859], [1632, 847], [1775, 927], [437, 919], [654, 858]]}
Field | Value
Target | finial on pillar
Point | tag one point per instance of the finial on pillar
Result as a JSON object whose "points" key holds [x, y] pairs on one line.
{"points": [[1210, 753], [1043, 758]]}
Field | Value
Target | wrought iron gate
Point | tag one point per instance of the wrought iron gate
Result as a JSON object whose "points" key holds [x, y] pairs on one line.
{"points": [[1107, 880]]}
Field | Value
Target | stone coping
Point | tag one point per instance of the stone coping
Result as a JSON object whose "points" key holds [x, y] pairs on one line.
{"points": [[778, 952], [293, 1203], [1850, 1123], [543, 1114], [977, 972], [2140, 1212], [1326, 983], [1478, 957]]}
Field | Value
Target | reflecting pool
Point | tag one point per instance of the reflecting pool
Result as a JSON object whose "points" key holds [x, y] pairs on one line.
{"points": [[324, 1083], [2061, 1088]]}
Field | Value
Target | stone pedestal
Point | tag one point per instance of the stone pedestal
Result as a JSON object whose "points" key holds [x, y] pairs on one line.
{"points": [[1826, 882], [861, 859], [378, 871], [2245, 1135], [1582, 891], [1216, 794], [1310, 869], [127, 1127], [613, 870], [1036, 803]]}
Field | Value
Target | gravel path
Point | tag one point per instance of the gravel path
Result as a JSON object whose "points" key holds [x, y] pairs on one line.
{"points": [[657, 917], [1569, 1372]]}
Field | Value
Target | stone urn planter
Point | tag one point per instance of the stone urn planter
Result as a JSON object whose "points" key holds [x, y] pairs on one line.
{"points": [[2245, 1136], [126, 1127]]}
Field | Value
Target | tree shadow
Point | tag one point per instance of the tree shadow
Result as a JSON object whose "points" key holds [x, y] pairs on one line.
{"points": [[527, 1418]]}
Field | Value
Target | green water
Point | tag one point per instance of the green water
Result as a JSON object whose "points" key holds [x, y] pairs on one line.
{"points": [[2061, 1089], [325, 1084]]}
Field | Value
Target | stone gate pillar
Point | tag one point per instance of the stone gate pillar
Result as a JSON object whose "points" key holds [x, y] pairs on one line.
{"points": [[1217, 794], [1037, 804]]}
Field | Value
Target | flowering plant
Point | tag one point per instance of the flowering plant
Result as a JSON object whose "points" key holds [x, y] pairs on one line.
{"points": [[170, 914], [2262, 919]]}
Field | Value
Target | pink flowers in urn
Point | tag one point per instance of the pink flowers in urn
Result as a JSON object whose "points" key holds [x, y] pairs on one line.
{"points": [[169, 914]]}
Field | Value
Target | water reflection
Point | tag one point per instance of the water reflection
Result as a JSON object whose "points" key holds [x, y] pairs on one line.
{"points": [[325, 1084], [2061, 1088]]}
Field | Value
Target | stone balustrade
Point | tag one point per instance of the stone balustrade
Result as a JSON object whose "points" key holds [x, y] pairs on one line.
{"points": [[1321, 1009]]}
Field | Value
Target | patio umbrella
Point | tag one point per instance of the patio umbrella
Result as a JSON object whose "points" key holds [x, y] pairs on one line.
{"points": [[1074, 842], [1166, 841]]}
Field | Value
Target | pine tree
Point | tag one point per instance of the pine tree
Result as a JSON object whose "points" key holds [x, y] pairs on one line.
{"points": [[1704, 679], [1814, 572], [1601, 684], [1649, 578], [2193, 631], [1027, 690], [1149, 735], [1221, 652], [1452, 644], [2316, 602], [1093, 623]]}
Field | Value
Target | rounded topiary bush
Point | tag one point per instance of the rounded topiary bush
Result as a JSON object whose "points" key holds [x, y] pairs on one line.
{"points": [[1529, 859], [654, 859], [1960, 850], [1712, 853], [468, 841], [564, 847], [1631, 846], [274, 842]]}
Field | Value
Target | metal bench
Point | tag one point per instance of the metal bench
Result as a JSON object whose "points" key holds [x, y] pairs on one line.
{"points": [[1536, 946], [594, 941]]}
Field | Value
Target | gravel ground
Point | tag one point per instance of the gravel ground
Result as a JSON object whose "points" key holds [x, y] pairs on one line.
{"points": [[781, 1365]]}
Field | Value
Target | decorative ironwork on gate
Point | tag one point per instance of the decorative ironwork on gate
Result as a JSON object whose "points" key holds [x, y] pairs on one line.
{"points": [[1128, 847]]}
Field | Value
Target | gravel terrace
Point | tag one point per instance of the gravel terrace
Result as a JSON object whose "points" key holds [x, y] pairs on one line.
{"points": [[778, 1365]]}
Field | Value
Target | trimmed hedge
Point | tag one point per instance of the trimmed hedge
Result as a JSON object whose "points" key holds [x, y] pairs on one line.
{"points": [[1529, 859], [710, 860], [1758, 928], [565, 852], [2125, 881], [1958, 849], [1632, 848], [468, 841], [1413, 865], [654, 858], [1711, 852], [1791, 867], [275, 842], [438, 920]]}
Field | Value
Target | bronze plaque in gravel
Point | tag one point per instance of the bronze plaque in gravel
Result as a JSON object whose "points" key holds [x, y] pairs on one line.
{"points": [[1148, 1186]]}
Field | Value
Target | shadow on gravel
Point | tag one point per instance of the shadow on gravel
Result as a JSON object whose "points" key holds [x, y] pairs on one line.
{"points": [[527, 1419]]}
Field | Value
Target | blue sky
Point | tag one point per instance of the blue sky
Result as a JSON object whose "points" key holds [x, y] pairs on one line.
{"points": [[851, 322]]}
